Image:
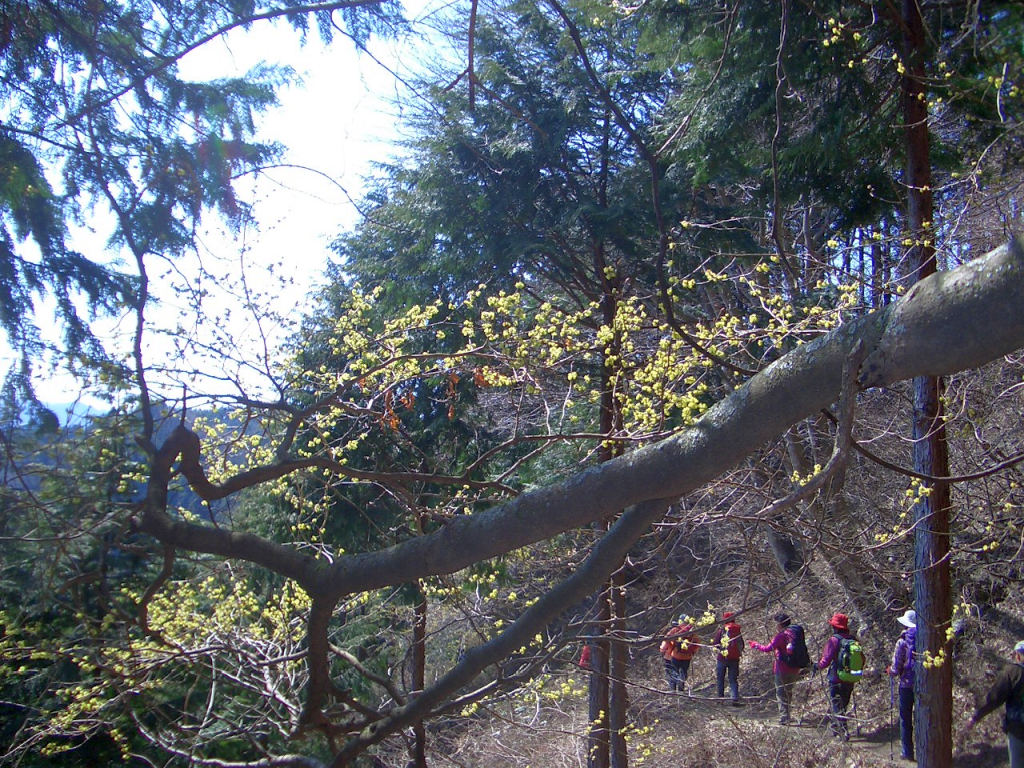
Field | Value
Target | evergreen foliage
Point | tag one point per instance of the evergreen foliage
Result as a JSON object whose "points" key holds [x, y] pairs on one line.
{"points": [[608, 219]]}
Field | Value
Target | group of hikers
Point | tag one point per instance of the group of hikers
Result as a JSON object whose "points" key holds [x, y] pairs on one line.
{"points": [[843, 658]]}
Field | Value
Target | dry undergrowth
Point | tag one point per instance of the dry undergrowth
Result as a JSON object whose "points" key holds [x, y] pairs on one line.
{"points": [[677, 731]]}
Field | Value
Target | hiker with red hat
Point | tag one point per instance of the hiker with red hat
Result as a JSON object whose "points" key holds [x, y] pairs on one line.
{"points": [[728, 641], [839, 691]]}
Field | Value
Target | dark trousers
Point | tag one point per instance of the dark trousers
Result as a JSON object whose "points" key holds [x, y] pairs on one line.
{"points": [[907, 722], [839, 694], [1015, 747], [676, 672], [732, 667]]}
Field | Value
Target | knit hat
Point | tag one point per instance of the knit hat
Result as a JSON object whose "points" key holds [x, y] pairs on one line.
{"points": [[908, 619], [840, 621], [728, 615], [782, 618], [1019, 647]]}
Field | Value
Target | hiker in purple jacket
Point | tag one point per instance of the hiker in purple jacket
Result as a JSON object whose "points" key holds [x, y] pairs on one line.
{"points": [[786, 676], [902, 668]]}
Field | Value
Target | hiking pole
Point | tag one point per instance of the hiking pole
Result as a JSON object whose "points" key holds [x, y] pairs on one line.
{"points": [[891, 697]]}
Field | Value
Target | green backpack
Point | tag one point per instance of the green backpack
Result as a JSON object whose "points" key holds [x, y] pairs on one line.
{"points": [[850, 660]]}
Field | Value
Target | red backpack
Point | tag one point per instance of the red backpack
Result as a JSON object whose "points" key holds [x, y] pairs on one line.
{"points": [[734, 646]]}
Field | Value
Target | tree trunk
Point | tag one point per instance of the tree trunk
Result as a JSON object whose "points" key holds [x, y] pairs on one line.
{"points": [[932, 595], [608, 707], [618, 700], [598, 741], [419, 666], [607, 714], [879, 296], [932, 591]]}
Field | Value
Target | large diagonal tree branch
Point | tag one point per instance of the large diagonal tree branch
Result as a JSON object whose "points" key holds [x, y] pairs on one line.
{"points": [[957, 320], [947, 323], [950, 322]]}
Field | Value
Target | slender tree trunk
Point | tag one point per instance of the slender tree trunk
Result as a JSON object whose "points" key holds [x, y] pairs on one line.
{"points": [[419, 666], [607, 747], [932, 594], [598, 741], [603, 720], [608, 700], [877, 277], [618, 700]]}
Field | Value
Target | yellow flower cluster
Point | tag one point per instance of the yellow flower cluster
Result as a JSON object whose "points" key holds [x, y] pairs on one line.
{"points": [[640, 740], [934, 661]]}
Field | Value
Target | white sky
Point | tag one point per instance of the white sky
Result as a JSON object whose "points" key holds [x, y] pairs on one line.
{"points": [[335, 125]]}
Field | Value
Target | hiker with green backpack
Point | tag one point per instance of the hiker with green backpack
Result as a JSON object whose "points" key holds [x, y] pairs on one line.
{"points": [[791, 660], [843, 657]]}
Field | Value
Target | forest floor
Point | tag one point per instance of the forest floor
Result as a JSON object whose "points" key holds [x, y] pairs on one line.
{"points": [[707, 730], [676, 730]]}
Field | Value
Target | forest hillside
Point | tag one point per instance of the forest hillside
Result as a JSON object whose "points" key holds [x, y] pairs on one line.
{"points": [[710, 565], [659, 309]]}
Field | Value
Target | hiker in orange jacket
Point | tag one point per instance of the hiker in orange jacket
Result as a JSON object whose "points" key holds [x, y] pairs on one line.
{"points": [[678, 649]]}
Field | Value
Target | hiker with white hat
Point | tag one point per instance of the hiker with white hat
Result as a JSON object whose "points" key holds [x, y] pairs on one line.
{"points": [[902, 668]]}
